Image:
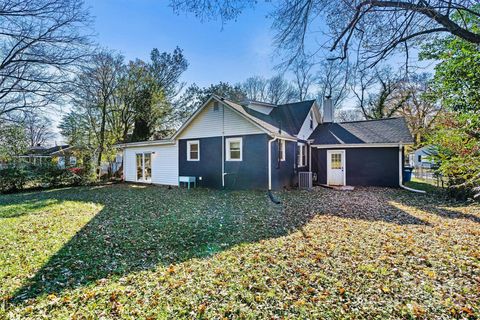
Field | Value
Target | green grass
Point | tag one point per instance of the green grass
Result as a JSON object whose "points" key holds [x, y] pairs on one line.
{"points": [[424, 185], [128, 251]]}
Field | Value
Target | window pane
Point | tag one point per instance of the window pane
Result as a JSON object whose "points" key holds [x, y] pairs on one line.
{"points": [[299, 155], [148, 166], [139, 166], [235, 145], [193, 150], [234, 149], [336, 161], [234, 154], [281, 150], [304, 155]]}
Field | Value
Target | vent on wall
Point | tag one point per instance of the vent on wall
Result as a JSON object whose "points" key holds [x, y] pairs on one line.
{"points": [[215, 106]]}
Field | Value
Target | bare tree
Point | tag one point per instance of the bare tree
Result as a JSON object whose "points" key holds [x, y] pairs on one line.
{"points": [[332, 80], [41, 42], [280, 91], [255, 88], [348, 115], [166, 69], [94, 94], [38, 129], [379, 93], [419, 111], [302, 69], [380, 26]]}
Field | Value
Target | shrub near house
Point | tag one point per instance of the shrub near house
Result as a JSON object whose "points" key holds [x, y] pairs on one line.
{"points": [[17, 178]]}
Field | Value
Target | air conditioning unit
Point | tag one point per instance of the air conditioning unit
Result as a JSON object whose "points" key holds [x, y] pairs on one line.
{"points": [[305, 180]]}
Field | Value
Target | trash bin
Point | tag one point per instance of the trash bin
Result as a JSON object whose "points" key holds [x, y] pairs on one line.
{"points": [[407, 174]]}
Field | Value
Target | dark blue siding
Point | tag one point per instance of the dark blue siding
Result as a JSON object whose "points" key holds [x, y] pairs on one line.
{"points": [[283, 172], [210, 165], [250, 173], [364, 166]]}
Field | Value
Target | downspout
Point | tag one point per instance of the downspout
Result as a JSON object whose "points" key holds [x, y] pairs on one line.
{"points": [[223, 146], [270, 162], [400, 172]]}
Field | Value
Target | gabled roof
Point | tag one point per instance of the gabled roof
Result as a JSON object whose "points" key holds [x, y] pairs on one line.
{"points": [[265, 126], [285, 121], [42, 151], [289, 117], [270, 127], [391, 130]]}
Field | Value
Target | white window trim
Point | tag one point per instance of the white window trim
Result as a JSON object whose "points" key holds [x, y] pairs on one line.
{"points": [[302, 147], [189, 143], [227, 146], [283, 153]]}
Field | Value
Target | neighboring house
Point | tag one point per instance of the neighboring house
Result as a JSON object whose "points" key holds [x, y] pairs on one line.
{"points": [[421, 158], [258, 145], [62, 155]]}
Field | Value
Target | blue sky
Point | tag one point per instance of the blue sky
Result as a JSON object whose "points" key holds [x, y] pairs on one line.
{"points": [[238, 50]]}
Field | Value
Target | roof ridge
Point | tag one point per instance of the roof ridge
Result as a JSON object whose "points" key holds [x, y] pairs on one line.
{"points": [[289, 103], [370, 120]]}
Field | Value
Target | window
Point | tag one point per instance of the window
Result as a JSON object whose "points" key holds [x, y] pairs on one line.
{"points": [[139, 166], [193, 150], [336, 161], [301, 155], [311, 120], [234, 149], [419, 158], [144, 166], [281, 150], [73, 161]]}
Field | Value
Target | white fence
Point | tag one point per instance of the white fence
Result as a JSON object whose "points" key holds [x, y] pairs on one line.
{"points": [[428, 175]]}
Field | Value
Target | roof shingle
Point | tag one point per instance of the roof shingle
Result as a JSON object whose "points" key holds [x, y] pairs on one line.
{"points": [[289, 117], [391, 130]]}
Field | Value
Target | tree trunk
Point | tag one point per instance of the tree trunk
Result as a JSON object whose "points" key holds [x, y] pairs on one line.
{"points": [[102, 140]]}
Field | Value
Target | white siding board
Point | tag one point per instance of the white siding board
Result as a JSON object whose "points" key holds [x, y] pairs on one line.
{"points": [[305, 130], [164, 163], [209, 123], [260, 108]]}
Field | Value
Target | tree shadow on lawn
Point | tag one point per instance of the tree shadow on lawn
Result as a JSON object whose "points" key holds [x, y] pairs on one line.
{"points": [[364, 203], [379, 204], [142, 227]]}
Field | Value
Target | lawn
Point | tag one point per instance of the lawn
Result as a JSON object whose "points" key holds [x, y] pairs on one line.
{"points": [[151, 252]]}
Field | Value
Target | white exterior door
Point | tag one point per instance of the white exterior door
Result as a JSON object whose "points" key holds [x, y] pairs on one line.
{"points": [[336, 167]]}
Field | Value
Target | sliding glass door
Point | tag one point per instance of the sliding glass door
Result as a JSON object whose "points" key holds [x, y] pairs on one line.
{"points": [[144, 166]]}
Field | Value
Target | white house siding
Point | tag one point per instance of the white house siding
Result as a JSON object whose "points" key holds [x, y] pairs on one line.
{"points": [[305, 130], [261, 108], [164, 163], [210, 123]]}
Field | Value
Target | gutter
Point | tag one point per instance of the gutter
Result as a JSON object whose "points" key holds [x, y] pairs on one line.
{"points": [[270, 162], [400, 172], [145, 143]]}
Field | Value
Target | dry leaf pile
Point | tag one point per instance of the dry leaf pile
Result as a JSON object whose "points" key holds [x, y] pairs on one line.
{"points": [[151, 252]]}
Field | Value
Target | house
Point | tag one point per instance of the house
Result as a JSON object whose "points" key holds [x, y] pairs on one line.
{"points": [[39, 155], [421, 158], [257, 145]]}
